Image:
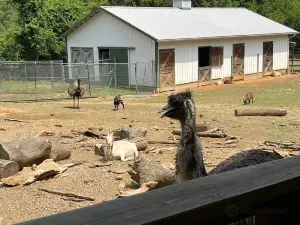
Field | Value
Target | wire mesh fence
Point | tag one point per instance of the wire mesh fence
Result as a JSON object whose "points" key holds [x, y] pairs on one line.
{"points": [[49, 80]]}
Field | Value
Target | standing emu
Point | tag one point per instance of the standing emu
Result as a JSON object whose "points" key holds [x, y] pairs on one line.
{"points": [[189, 162], [76, 89]]}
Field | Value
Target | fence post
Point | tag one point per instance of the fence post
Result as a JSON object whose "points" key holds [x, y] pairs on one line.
{"points": [[25, 68], [136, 80], [35, 88], [51, 68], [115, 71], [257, 65], [88, 71]]}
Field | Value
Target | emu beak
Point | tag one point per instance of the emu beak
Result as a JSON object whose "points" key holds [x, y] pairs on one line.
{"points": [[166, 111]]}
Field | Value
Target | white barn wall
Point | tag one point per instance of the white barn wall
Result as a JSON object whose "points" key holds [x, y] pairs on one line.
{"points": [[186, 56], [104, 30]]}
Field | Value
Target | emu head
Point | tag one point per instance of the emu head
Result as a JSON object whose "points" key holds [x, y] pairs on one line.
{"points": [[78, 82], [179, 107]]}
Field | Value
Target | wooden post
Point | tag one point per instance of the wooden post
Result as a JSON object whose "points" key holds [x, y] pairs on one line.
{"points": [[115, 72], [231, 66], [35, 82], [257, 65]]}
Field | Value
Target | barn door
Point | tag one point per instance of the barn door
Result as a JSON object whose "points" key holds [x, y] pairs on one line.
{"points": [[238, 61], [82, 55], [122, 73], [167, 69], [267, 58]]}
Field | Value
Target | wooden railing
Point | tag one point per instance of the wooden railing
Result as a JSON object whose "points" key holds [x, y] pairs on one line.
{"points": [[296, 65], [270, 191]]}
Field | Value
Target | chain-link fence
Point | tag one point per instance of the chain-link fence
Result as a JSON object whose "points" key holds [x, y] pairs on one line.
{"points": [[49, 80]]}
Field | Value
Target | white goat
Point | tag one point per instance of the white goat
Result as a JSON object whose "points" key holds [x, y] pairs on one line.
{"points": [[122, 149]]}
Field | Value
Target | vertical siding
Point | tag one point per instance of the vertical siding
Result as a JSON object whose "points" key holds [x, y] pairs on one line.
{"points": [[186, 56], [103, 30]]}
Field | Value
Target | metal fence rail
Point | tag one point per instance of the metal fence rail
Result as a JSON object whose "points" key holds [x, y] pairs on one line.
{"points": [[27, 81]]}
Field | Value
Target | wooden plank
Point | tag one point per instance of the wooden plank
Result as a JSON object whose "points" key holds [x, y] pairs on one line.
{"points": [[203, 200]]}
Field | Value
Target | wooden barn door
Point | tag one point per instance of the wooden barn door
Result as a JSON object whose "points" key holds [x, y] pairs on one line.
{"points": [[82, 55], [267, 58], [167, 69], [238, 61]]}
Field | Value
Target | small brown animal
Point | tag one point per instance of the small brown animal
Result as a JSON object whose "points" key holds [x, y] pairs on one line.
{"points": [[248, 97]]}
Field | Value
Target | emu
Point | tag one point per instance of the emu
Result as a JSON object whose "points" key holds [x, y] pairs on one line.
{"points": [[189, 162], [76, 89], [189, 158]]}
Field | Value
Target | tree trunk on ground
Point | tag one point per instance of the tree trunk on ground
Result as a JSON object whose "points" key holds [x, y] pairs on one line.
{"points": [[148, 171], [8, 168], [59, 151], [141, 143], [260, 112], [26, 151]]}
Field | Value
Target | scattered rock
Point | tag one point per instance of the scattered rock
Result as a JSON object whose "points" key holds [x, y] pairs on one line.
{"points": [[95, 128], [282, 125], [201, 115], [100, 164], [156, 128], [93, 134], [127, 132], [45, 133], [99, 149], [172, 122], [52, 114], [124, 118], [119, 170], [58, 125], [119, 177], [48, 168]]}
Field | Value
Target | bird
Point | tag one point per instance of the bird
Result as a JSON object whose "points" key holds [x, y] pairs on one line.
{"points": [[76, 89], [189, 163], [118, 101]]}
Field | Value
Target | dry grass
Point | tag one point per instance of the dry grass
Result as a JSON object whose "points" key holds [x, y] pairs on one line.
{"points": [[214, 102]]}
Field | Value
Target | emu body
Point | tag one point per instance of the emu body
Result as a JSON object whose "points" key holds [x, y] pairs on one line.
{"points": [[76, 90]]}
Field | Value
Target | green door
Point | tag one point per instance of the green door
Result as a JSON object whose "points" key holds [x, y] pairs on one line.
{"points": [[122, 73]]}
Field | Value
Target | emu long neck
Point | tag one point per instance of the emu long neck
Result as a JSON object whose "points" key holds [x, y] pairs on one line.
{"points": [[190, 141]]}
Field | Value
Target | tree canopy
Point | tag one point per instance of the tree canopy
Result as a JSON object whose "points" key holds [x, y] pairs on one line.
{"points": [[29, 29]]}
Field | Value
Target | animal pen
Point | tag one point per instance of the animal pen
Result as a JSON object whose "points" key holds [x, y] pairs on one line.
{"points": [[49, 80], [268, 191]]}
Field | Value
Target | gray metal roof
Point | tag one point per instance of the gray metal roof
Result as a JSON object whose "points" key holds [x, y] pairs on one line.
{"points": [[169, 23]]}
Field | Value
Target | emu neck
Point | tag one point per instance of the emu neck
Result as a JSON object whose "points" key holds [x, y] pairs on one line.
{"points": [[190, 142]]}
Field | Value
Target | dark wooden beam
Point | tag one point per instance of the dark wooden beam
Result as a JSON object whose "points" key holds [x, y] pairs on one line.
{"points": [[208, 200]]}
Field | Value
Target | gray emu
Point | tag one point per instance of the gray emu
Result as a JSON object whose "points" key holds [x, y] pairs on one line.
{"points": [[189, 162], [76, 89]]}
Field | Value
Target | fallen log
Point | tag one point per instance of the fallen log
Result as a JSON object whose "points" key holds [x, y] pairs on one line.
{"points": [[8, 168], [26, 151], [59, 151], [260, 112], [141, 143], [211, 135], [146, 170]]}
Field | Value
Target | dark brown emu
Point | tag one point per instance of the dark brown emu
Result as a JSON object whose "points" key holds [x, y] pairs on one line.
{"points": [[76, 89], [189, 162]]}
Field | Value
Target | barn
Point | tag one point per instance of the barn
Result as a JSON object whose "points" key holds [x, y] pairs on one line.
{"points": [[184, 44]]}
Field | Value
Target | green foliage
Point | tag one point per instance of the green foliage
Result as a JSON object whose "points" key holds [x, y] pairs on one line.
{"points": [[29, 29]]}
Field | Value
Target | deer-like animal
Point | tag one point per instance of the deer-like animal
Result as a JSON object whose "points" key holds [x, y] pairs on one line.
{"points": [[248, 97], [121, 149]]}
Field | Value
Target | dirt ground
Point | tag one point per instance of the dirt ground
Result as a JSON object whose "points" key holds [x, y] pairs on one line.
{"points": [[214, 103]]}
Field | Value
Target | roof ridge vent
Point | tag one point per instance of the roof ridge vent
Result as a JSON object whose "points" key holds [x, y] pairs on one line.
{"points": [[182, 4]]}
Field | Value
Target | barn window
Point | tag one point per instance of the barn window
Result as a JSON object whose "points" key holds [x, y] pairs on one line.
{"points": [[80, 55], [217, 56], [103, 54]]}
